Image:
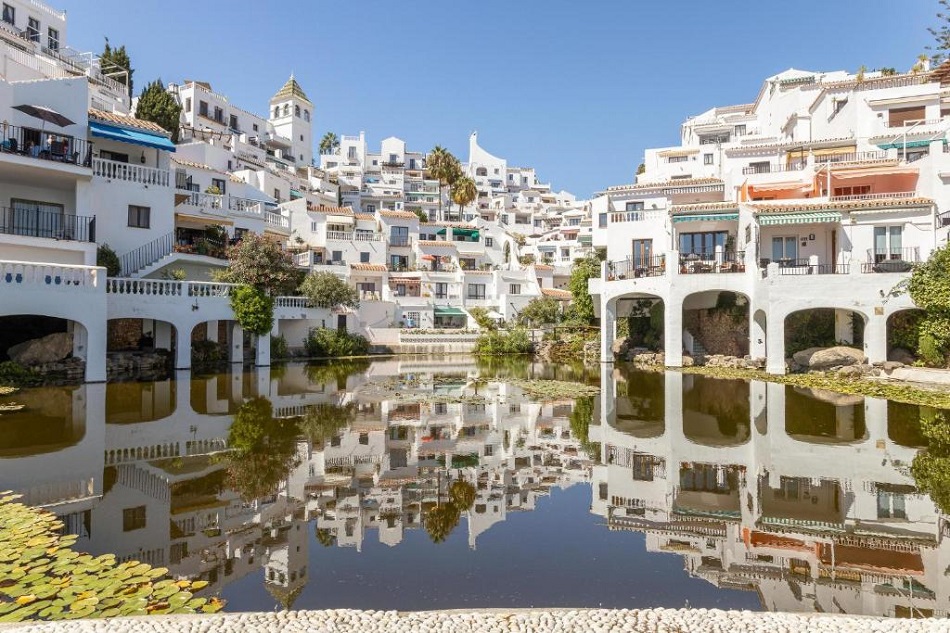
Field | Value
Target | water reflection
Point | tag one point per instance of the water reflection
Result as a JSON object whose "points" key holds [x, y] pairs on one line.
{"points": [[305, 479]]}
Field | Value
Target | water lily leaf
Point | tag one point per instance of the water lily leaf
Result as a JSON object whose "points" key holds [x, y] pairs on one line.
{"points": [[199, 584], [27, 599]]}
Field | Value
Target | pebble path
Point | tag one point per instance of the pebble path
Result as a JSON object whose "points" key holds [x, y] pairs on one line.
{"points": [[492, 621]]}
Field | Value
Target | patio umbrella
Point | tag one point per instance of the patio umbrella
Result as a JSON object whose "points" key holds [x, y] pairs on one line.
{"points": [[45, 114]]}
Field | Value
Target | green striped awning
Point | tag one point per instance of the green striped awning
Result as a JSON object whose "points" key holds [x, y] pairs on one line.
{"points": [[900, 144], [705, 217], [773, 219], [448, 311]]}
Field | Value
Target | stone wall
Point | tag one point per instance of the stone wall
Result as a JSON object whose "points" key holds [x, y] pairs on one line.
{"points": [[140, 365], [124, 334], [719, 331]]}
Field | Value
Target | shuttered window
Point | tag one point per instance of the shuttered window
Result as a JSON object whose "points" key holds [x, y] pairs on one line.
{"points": [[898, 117]]}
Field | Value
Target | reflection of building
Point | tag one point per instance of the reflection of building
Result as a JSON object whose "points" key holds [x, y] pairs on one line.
{"points": [[141, 470], [802, 495]]}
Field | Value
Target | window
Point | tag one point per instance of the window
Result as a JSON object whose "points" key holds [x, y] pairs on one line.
{"points": [[52, 36], [188, 105], [856, 190], [633, 206], [642, 253], [760, 167], [139, 217], [301, 137], [898, 117], [364, 257], [306, 116], [740, 130], [489, 450], [276, 111], [336, 257], [840, 104], [254, 127], [412, 318], [888, 242], [233, 123], [276, 194], [476, 291], [514, 289], [677, 159], [707, 159], [313, 226], [203, 108], [9, 14], [220, 183], [890, 505], [218, 114], [33, 29], [38, 219], [297, 110], [286, 109], [133, 518], [489, 242], [785, 248], [702, 243], [364, 438], [602, 221], [441, 290]]}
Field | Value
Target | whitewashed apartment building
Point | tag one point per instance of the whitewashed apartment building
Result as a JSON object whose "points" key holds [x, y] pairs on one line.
{"points": [[821, 193]]}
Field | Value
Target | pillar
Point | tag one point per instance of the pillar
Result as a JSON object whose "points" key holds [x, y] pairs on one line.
{"points": [[875, 337], [673, 333], [212, 334], [236, 344], [90, 345], [775, 344], [844, 330], [608, 328], [182, 347], [262, 350], [757, 333], [162, 335]]}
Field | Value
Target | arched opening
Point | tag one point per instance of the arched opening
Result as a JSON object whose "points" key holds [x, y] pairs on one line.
{"points": [[57, 345], [209, 342], [823, 328], [640, 319], [715, 412], [141, 348], [903, 337], [824, 417], [716, 322], [481, 171], [641, 404]]}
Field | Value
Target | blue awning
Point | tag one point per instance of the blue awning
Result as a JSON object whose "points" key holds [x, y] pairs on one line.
{"points": [[136, 137]]}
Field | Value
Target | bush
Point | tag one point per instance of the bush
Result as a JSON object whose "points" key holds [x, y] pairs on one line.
{"points": [[540, 311], [480, 315], [326, 290], [253, 309], [107, 258], [278, 347], [206, 352], [327, 343], [13, 374], [495, 343]]}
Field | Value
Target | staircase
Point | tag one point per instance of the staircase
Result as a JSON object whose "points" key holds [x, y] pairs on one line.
{"points": [[699, 352], [135, 261]]}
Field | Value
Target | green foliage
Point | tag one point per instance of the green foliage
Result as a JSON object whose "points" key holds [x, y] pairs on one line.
{"points": [[581, 417], [931, 468], [941, 34], [463, 192], [328, 343], [265, 449], [16, 375], [259, 262], [326, 290], [507, 252], [115, 60], [174, 274], [107, 258], [278, 347], [329, 143], [337, 372], [540, 311], [527, 259], [582, 306], [43, 578], [641, 168], [324, 421], [325, 537], [929, 287], [253, 309], [495, 343], [480, 315], [441, 520], [462, 494], [206, 352], [157, 105], [422, 215], [809, 328]]}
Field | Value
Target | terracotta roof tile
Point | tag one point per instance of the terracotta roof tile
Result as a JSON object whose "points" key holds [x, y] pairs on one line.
{"points": [[364, 216], [557, 293], [436, 243], [683, 182], [478, 272], [843, 205], [126, 121], [543, 267], [703, 206], [454, 225], [331, 210], [379, 268], [191, 163], [405, 215]]}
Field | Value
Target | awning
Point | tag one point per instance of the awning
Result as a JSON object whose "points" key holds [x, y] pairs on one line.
{"points": [[820, 217], [203, 219], [456, 230], [667, 153], [341, 219], [427, 258], [874, 171], [294, 194], [444, 311], [704, 217], [833, 151], [901, 144], [494, 314], [135, 137], [782, 186]]}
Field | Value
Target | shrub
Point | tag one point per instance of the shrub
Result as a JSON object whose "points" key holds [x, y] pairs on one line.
{"points": [[485, 322], [16, 375], [206, 352], [323, 342], [326, 290], [253, 309], [278, 347], [540, 311], [107, 258], [495, 343], [259, 262]]}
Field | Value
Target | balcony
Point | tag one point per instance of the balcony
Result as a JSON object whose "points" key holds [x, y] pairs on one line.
{"points": [[399, 242], [47, 146], [721, 262], [636, 215], [773, 168], [246, 206], [54, 225], [339, 236], [209, 203], [875, 196], [277, 221], [651, 266], [130, 172], [809, 266], [891, 260]]}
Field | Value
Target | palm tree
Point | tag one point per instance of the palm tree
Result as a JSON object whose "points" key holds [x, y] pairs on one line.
{"points": [[329, 143], [444, 167], [463, 192]]}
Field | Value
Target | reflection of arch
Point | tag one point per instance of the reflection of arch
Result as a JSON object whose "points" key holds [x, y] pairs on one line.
{"points": [[133, 402], [716, 412], [903, 424], [52, 419], [817, 416], [902, 333], [640, 405]]}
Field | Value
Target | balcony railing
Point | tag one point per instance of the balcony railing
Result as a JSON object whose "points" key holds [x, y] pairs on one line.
{"points": [[208, 202], [399, 241], [773, 168], [34, 143], [276, 220], [891, 260], [853, 157], [637, 215], [340, 236], [130, 172], [651, 266], [49, 224], [806, 267], [246, 206], [875, 196], [721, 262]]}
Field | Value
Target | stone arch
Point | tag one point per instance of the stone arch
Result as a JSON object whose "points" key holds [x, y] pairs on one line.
{"points": [[716, 321]]}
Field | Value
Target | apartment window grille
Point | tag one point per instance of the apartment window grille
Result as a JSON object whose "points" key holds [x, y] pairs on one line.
{"points": [[9, 14], [489, 242], [203, 108], [514, 289], [139, 217], [441, 290], [276, 111], [740, 130], [707, 159], [476, 291], [52, 39], [364, 257], [412, 319], [891, 505], [677, 159], [33, 29], [133, 518], [602, 221], [233, 123]]}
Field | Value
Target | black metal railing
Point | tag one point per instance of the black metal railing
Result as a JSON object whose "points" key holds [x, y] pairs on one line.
{"points": [[805, 267], [44, 145], [400, 240], [943, 219], [54, 225], [724, 262], [891, 260], [633, 268], [149, 253]]}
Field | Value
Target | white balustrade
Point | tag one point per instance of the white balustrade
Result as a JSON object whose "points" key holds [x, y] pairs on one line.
{"points": [[157, 287], [340, 236], [208, 289], [245, 206], [15, 273], [274, 219], [292, 302], [130, 172]]}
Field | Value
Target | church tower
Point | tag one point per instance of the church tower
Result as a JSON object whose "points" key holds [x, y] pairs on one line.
{"points": [[291, 114]]}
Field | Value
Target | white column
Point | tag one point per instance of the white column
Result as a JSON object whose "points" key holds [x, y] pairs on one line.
{"points": [[212, 334], [757, 333], [775, 344], [875, 338], [844, 332], [608, 329], [673, 333], [162, 335], [262, 350], [182, 346], [90, 344], [236, 344]]}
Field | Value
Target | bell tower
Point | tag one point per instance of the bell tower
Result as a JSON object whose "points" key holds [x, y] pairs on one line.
{"points": [[291, 114]]}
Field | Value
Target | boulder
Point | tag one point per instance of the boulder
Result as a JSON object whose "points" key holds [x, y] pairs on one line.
{"points": [[901, 355], [824, 358], [831, 397], [620, 347], [688, 361], [850, 371], [48, 349], [891, 365]]}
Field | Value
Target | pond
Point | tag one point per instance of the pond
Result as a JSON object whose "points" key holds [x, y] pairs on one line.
{"points": [[436, 483]]}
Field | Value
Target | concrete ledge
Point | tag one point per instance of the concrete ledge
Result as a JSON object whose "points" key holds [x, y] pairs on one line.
{"points": [[921, 375], [492, 620]]}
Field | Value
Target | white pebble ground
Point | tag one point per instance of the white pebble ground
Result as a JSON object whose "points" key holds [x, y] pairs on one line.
{"points": [[493, 621]]}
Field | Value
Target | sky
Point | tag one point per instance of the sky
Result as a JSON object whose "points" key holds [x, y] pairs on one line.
{"points": [[576, 89]]}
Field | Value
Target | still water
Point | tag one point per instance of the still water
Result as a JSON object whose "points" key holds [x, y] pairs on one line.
{"points": [[428, 483]]}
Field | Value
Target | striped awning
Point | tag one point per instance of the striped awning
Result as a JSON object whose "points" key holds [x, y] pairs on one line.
{"points": [[705, 217], [900, 144], [820, 217]]}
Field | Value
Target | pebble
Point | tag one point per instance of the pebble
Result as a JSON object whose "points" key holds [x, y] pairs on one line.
{"points": [[496, 621]]}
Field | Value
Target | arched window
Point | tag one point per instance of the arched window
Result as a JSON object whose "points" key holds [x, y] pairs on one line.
{"points": [[276, 111], [306, 115], [296, 110], [286, 109]]}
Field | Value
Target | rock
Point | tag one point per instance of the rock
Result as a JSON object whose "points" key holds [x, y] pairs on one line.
{"points": [[891, 365], [39, 351], [823, 358], [901, 355], [850, 371], [620, 347], [688, 361]]}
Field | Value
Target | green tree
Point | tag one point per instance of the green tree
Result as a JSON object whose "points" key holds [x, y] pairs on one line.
{"points": [[540, 311], [441, 520], [329, 143], [444, 167], [641, 168], [484, 322], [423, 217], [107, 258], [115, 63], [463, 192], [941, 34], [326, 290], [155, 104], [264, 449], [582, 306], [259, 262], [929, 287], [253, 309], [581, 417], [324, 421]]}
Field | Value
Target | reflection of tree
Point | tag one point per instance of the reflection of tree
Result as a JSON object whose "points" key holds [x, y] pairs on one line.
{"points": [[441, 520], [323, 421], [462, 494], [326, 537], [581, 416], [931, 467], [264, 449], [335, 372]]}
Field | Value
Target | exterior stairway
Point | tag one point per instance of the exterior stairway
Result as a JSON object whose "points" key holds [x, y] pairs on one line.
{"points": [[148, 257], [698, 352]]}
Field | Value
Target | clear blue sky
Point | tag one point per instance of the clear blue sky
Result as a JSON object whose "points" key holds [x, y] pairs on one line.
{"points": [[577, 89]]}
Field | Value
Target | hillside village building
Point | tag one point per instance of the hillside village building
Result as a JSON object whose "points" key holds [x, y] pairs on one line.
{"points": [[822, 193]]}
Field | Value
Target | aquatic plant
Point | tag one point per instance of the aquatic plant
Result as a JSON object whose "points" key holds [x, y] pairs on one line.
{"points": [[42, 577], [554, 389]]}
